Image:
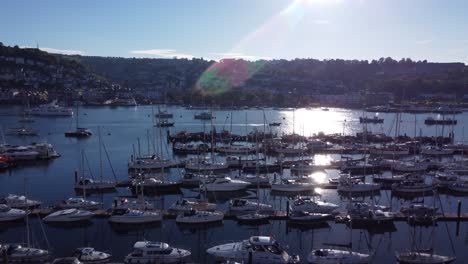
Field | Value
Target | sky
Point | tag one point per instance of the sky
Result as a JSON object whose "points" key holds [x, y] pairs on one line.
{"points": [[436, 30]]}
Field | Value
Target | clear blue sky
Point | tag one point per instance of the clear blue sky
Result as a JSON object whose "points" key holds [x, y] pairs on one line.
{"points": [[436, 30]]}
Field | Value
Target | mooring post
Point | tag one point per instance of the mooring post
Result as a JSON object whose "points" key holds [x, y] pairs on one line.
{"points": [[76, 176], [250, 257], [459, 210], [287, 208]]}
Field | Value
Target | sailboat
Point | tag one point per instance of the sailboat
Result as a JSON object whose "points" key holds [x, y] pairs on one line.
{"points": [[328, 256], [79, 132], [91, 184]]}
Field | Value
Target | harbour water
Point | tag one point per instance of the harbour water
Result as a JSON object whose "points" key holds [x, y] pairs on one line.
{"points": [[120, 128]]}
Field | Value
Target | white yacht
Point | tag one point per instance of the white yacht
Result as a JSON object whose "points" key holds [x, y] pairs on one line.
{"points": [[45, 150], [186, 205], [90, 255], [289, 185], [225, 184], [146, 252], [155, 184], [92, 185], [18, 254], [243, 205], [19, 201], [199, 217], [68, 216], [22, 153], [416, 257], [265, 250], [163, 114], [51, 109], [128, 216], [307, 204], [8, 214], [79, 203], [150, 163], [332, 256]]}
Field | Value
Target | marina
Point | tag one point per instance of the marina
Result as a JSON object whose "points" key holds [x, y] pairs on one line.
{"points": [[234, 177]]}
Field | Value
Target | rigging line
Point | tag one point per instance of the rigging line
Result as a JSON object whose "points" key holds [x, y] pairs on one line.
{"points": [[43, 232], [108, 159], [87, 163], [446, 226]]}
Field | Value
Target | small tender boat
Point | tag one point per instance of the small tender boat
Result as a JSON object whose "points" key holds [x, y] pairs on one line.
{"points": [[204, 116], [199, 217], [263, 249], [122, 216], [8, 214], [373, 120], [242, 205], [68, 216], [416, 257], [163, 114], [274, 124], [186, 205], [331, 256], [69, 260], [164, 123], [146, 252], [90, 255]]}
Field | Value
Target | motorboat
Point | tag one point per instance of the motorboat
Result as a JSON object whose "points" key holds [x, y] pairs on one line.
{"points": [[8, 214], [199, 217], [45, 150], [68, 216], [263, 250], [79, 132], [419, 257], [204, 116], [332, 256], [50, 109], [369, 217], [19, 202], [302, 217], [225, 184], [186, 205], [362, 207], [92, 185], [412, 187], [90, 255], [195, 179], [307, 204], [291, 185], [129, 216], [21, 153], [79, 203], [150, 163], [243, 205], [146, 252], [22, 131], [16, 253]]}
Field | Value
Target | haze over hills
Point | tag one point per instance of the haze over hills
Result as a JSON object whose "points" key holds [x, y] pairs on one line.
{"points": [[227, 82]]}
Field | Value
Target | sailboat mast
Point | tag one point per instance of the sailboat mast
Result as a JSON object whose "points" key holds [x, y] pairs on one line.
{"points": [[27, 215], [82, 173], [100, 153], [77, 115]]}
